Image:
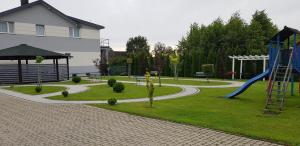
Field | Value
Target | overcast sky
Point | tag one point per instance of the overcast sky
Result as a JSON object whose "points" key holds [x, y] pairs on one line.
{"points": [[165, 20]]}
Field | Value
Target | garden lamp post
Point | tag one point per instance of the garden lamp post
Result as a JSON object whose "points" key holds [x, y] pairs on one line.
{"points": [[129, 62]]}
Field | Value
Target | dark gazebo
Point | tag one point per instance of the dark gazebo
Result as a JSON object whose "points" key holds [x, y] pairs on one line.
{"points": [[27, 73]]}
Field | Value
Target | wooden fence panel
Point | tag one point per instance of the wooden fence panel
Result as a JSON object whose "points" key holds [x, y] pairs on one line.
{"points": [[9, 73]]}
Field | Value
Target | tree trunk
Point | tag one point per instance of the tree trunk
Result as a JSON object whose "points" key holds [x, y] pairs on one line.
{"points": [[39, 80]]}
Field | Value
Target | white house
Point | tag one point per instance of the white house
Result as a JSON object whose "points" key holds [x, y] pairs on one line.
{"points": [[40, 25]]}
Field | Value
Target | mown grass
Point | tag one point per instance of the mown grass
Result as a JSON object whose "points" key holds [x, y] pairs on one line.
{"points": [[104, 92], [31, 89], [243, 115], [72, 83]]}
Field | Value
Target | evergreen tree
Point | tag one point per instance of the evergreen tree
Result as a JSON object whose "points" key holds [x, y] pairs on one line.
{"points": [[138, 49], [212, 44]]}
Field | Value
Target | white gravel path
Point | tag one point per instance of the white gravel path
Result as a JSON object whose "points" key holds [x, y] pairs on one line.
{"points": [[186, 91]]}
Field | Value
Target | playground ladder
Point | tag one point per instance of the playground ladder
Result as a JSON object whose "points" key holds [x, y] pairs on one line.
{"points": [[279, 79]]}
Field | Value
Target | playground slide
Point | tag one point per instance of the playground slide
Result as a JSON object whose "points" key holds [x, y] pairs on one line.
{"points": [[248, 84]]}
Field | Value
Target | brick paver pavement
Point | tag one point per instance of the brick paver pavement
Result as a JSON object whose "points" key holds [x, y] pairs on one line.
{"points": [[31, 123]]}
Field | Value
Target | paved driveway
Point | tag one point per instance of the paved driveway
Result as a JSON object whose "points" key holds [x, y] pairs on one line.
{"points": [[30, 123]]}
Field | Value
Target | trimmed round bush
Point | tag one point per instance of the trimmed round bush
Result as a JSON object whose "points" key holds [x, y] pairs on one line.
{"points": [[118, 87], [38, 89], [111, 82], [65, 93], [88, 74], [112, 101], [76, 79]]}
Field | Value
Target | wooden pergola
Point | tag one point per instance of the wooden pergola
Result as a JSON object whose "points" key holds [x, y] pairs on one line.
{"points": [[242, 58], [26, 73]]}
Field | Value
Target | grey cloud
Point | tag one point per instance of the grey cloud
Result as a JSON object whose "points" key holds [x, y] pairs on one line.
{"points": [[165, 20]]}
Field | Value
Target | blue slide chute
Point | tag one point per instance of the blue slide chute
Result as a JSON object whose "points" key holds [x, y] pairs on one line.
{"points": [[248, 84]]}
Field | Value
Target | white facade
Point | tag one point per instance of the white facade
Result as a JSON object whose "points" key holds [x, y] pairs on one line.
{"points": [[55, 28]]}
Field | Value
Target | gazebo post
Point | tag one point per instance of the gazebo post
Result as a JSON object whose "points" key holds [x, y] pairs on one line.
{"points": [[68, 69], [20, 70], [57, 69]]}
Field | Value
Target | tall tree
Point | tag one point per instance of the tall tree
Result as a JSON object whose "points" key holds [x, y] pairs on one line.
{"points": [[269, 29], [256, 40], [138, 49], [212, 44], [174, 60], [159, 53]]}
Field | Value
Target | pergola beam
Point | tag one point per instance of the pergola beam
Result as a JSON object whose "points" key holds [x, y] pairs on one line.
{"points": [[242, 58], [250, 57]]}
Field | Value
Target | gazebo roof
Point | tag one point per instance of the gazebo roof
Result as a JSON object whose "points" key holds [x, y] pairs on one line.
{"points": [[24, 51]]}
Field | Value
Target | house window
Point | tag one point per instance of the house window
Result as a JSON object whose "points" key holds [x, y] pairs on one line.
{"points": [[74, 32], [40, 30], [7, 27], [11, 27]]}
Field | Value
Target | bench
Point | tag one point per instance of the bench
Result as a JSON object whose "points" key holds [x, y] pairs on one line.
{"points": [[154, 73], [94, 76], [139, 79], [78, 74], [201, 74]]}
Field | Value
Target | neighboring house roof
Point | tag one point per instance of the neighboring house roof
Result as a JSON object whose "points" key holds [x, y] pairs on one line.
{"points": [[24, 51], [285, 33], [51, 8]]}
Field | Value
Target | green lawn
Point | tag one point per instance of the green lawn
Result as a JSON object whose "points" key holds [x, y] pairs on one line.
{"points": [[170, 81], [243, 115], [72, 83], [104, 92], [31, 89]]}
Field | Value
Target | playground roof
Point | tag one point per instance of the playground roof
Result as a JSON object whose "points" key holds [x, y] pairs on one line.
{"points": [[285, 34], [250, 57]]}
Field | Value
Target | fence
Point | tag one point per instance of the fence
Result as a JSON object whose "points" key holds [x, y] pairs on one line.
{"points": [[118, 70], [9, 73]]}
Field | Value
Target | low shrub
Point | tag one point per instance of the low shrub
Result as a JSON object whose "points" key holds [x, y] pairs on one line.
{"points": [[118, 87], [112, 101], [65, 93], [38, 89], [111, 82], [88, 74], [76, 79]]}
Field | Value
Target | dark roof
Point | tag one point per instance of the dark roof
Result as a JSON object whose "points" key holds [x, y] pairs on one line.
{"points": [[24, 51], [69, 18], [86, 23], [285, 34]]}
